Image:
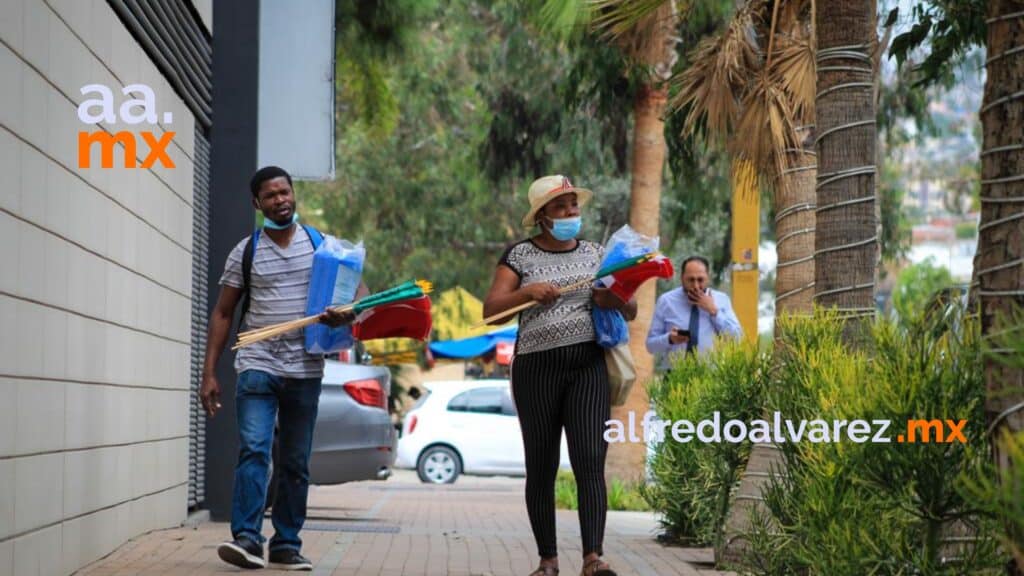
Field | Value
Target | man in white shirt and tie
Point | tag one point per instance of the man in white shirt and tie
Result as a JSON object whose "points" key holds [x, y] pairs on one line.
{"points": [[687, 319]]}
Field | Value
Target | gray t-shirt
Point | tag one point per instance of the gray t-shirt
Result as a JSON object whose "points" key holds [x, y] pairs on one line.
{"points": [[279, 288], [567, 321]]}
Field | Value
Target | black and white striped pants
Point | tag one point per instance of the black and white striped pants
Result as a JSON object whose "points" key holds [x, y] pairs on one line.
{"points": [[564, 387]]}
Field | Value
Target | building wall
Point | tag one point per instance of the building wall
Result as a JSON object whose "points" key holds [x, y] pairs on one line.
{"points": [[205, 10], [94, 299]]}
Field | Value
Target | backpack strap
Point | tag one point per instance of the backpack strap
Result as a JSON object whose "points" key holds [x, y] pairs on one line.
{"points": [[315, 238], [247, 257]]}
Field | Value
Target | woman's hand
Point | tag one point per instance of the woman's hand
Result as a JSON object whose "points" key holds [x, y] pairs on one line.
{"points": [[506, 293], [542, 292], [605, 298]]}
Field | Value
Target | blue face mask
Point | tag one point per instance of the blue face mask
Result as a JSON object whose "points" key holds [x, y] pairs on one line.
{"points": [[565, 228], [271, 225]]}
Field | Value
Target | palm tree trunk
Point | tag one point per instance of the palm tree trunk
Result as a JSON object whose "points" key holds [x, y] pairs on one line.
{"points": [[794, 291], [999, 264], [827, 239], [627, 461], [846, 240], [794, 230]]}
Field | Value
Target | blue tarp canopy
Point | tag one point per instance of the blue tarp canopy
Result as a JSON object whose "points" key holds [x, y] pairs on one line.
{"points": [[475, 346]]}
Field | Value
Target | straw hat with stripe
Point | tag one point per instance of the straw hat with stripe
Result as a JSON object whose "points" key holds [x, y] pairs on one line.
{"points": [[547, 188]]}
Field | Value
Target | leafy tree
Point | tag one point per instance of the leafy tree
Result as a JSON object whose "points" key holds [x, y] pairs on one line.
{"points": [[896, 226], [949, 27], [407, 185], [915, 287]]}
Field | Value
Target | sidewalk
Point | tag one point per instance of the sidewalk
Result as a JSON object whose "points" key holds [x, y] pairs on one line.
{"points": [[476, 527]]}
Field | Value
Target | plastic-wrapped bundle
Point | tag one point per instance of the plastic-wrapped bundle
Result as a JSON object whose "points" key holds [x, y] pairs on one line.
{"points": [[337, 269], [625, 245]]}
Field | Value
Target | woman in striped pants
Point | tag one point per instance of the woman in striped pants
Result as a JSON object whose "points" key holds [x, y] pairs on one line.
{"points": [[559, 377]]}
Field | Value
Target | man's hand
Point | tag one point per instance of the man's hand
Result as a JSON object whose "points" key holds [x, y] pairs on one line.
{"points": [[543, 292], [675, 338], [702, 300], [605, 298], [335, 319], [209, 394]]}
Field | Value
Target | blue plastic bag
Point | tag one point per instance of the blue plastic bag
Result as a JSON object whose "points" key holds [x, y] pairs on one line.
{"points": [[610, 327], [337, 269]]}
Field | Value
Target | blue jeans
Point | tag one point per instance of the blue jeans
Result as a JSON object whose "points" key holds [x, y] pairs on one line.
{"points": [[259, 398]]}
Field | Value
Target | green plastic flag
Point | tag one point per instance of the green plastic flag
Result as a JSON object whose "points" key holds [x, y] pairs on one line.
{"points": [[623, 264], [404, 291]]}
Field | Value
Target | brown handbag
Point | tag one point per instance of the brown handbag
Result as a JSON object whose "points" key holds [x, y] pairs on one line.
{"points": [[621, 373]]}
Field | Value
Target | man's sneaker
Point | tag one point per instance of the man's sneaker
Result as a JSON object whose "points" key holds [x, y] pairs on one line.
{"points": [[243, 553], [288, 559]]}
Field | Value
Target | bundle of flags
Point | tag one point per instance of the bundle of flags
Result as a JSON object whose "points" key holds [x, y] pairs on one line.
{"points": [[623, 274], [406, 301], [405, 319], [405, 291], [399, 312], [622, 271]]}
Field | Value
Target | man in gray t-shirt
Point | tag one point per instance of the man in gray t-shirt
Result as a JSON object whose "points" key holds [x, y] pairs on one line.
{"points": [[277, 378]]}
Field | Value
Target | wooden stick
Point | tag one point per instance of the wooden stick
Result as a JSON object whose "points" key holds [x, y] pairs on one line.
{"points": [[246, 334], [276, 331], [253, 336], [529, 304]]}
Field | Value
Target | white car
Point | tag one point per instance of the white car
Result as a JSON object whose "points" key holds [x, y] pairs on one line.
{"points": [[464, 427]]}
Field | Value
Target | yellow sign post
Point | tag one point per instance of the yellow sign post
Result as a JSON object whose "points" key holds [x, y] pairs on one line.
{"points": [[746, 233]]}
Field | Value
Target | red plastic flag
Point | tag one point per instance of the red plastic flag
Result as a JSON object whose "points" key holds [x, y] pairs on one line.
{"points": [[405, 319], [625, 282]]}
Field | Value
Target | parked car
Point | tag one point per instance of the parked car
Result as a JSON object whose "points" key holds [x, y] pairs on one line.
{"points": [[353, 439], [464, 427]]}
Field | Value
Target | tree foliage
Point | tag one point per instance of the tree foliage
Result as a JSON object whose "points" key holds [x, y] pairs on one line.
{"points": [[949, 28], [446, 112], [916, 285]]}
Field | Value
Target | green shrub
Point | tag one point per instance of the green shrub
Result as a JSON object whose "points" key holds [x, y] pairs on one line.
{"points": [[847, 508], [915, 287], [966, 230], [565, 490], [851, 508], [621, 496], [692, 481], [999, 493]]}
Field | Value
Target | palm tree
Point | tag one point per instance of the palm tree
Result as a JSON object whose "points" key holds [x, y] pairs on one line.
{"points": [[846, 243], [649, 40], [1000, 258], [753, 88], [645, 31]]}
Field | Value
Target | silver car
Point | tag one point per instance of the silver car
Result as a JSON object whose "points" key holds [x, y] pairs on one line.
{"points": [[353, 439]]}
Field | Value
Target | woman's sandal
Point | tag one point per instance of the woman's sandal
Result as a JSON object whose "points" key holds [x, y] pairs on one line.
{"points": [[543, 570], [597, 567]]}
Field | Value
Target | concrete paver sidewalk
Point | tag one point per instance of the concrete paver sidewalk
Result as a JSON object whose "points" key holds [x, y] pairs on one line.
{"points": [[401, 527]]}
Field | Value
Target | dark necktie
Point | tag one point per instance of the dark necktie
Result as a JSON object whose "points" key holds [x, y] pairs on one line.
{"points": [[694, 329]]}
